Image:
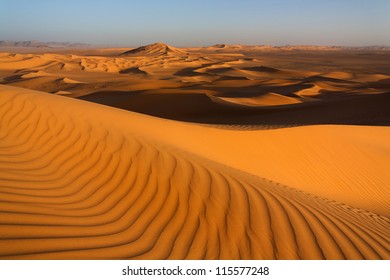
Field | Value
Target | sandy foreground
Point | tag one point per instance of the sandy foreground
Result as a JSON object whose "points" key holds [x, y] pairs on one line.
{"points": [[225, 152]]}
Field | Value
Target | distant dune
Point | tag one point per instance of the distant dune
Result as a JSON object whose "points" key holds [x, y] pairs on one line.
{"points": [[154, 49], [221, 152]]}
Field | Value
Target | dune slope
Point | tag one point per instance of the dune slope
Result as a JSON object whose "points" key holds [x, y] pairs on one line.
{"points": [[84, 181]]}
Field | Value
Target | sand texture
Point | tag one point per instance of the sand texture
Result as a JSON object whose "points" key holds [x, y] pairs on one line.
{"points": [[210, 153]]}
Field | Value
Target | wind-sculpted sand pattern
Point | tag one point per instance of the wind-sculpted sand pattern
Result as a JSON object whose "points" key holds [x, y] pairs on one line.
{"points": [[84, 181]]}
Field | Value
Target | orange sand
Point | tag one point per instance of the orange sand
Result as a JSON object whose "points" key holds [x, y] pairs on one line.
{"points": [[268, 175]]}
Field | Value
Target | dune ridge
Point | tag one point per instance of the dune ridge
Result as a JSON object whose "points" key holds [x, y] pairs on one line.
{"points": [[84, 181], [154, 49]]}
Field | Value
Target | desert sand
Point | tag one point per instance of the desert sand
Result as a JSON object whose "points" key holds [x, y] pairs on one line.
{"points": [[221, 152]]}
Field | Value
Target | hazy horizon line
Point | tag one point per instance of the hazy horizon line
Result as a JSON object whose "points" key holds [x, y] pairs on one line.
{"points": [[135, 45]]}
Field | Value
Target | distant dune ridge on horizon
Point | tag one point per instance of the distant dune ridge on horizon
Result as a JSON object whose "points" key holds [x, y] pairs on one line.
{"points": [[218, 152], [39, 44]]}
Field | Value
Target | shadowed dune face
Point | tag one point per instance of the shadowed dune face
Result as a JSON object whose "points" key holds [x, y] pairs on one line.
{"points": [[257, 112], [283, 153], [79, 180]]}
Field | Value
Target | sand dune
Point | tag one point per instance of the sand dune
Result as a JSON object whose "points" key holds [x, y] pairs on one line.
{"points": [[70, 81], [241, 152], [133, 70], [263, 110], [311, 91], [155, 49], [80, 180], [255, 71], [270, 99]]}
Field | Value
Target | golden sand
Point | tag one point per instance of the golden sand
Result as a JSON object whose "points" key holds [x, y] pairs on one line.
{"points": [[287, 163]]}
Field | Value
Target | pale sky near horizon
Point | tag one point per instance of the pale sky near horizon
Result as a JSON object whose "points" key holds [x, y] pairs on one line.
{"points": [[198, 22]]}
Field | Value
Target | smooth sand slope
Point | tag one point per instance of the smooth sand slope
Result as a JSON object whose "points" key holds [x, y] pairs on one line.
{"points": [[82, 181]]}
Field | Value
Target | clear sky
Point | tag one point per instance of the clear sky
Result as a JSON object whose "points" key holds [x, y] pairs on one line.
{"points": [[198, 22]]}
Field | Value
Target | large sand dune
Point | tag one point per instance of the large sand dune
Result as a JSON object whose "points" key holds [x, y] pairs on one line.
{"points": [[81, 180], [241, 152]]}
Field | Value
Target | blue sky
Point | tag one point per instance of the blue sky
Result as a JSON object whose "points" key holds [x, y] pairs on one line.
{"points": [[198, 22]]}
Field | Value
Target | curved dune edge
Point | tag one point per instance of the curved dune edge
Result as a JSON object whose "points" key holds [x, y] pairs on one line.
{"points": [[269, 99], [84, 181]]}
